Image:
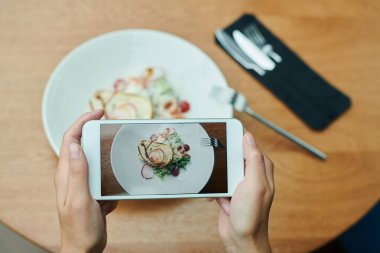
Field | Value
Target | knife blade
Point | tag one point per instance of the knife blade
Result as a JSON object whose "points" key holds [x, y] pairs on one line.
{"points": [[235, 51], [253, 51]]}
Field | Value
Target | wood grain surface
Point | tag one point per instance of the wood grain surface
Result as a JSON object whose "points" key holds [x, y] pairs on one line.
{"points": [[315, 201], [216, 184], [109, 184]]}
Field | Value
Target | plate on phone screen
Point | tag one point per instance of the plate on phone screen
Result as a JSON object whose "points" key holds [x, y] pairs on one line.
{"points": [[98, 62], [126, 165]]}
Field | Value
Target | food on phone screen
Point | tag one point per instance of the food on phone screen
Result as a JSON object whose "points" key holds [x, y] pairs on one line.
{"points": [[164, 154]]}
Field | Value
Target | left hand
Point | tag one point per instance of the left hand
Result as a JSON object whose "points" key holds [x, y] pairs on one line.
{"points": [[82, 219]]}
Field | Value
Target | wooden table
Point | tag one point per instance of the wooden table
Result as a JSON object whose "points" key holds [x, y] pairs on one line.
{"points": [[315, 201]]}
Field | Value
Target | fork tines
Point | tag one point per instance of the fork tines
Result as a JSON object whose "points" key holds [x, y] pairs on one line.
{"points": [[254, 33], [206, 142], [212, 142], [228, 95], [222, 94]]}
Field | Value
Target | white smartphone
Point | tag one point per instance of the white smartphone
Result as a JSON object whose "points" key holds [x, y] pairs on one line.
{"points": [[156, 159]]}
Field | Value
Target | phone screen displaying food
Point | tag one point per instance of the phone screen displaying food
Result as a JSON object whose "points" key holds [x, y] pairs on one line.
{"points": [[151, 159]]}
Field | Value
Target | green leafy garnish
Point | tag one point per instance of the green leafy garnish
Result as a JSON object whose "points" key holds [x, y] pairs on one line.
{"points": [[181, 164]]}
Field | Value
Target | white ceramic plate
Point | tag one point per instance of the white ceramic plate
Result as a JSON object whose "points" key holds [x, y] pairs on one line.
{"points": [[127, 166], [97, 63]]}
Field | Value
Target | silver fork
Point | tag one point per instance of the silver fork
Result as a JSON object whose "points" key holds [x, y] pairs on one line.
{"points": [[239, 103], [212, 142], [234, 50], [253, 33]]}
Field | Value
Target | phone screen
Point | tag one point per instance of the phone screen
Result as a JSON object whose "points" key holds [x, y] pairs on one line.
{"points": [[152, 159]]}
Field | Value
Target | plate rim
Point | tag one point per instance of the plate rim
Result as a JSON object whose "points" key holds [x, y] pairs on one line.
{"points": [[80, 46]]}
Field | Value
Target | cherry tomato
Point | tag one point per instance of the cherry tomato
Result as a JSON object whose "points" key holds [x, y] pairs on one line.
{"points": [[186, 147], [184, 106]]}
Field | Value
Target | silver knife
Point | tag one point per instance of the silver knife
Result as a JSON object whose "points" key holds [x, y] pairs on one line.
{"points": [[233, 49], [253, 51]]}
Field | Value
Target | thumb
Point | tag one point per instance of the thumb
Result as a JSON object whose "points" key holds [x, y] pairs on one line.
{"points": [[254, 159], [78, 180], [224, 203]]}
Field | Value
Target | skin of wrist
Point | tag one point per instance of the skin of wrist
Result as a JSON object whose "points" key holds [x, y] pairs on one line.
{"points": [[251, 244], [255, 246], [71, 249], [67, 250]]}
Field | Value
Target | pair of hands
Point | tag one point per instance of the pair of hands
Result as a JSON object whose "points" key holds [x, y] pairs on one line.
{"points": [[243, 219]]}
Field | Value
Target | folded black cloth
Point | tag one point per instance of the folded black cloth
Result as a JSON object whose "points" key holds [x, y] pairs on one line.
{"points": [[306, 93]]}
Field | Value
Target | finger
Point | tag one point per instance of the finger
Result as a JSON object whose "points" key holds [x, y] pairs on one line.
{"points": [[210, 199], [75, 130], [254, 159], [224, 203], [74, 133], [63, 171], [78, 190], [107, 207], [269, 167]]}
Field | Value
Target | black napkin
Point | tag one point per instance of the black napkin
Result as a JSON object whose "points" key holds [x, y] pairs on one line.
{"points": [[306, 93]]}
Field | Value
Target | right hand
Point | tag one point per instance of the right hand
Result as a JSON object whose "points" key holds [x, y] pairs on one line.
{"points": [[243, 219]]}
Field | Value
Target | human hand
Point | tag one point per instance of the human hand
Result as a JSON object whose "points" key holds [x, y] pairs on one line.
{"points": [[243, 219], [82, 219]]}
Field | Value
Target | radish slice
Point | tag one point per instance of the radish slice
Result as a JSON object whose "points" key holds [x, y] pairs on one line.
{"points": [[146, 171], [153, 137], [168, 131], [120, 85], [180, 149]]}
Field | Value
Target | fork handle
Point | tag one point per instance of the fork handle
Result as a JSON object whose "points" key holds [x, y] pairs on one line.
{"points": [[275, 56], [256, 68], [287, 135], [268, 49]]}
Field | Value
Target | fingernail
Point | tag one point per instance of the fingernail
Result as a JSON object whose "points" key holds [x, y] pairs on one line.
{"points": [[250, 139], [74, 150], [226, 208], [97, 111]]}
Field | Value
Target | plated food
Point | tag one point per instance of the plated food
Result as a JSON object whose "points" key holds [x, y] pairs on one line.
{"points": [[164, 154], [144, 97]]}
